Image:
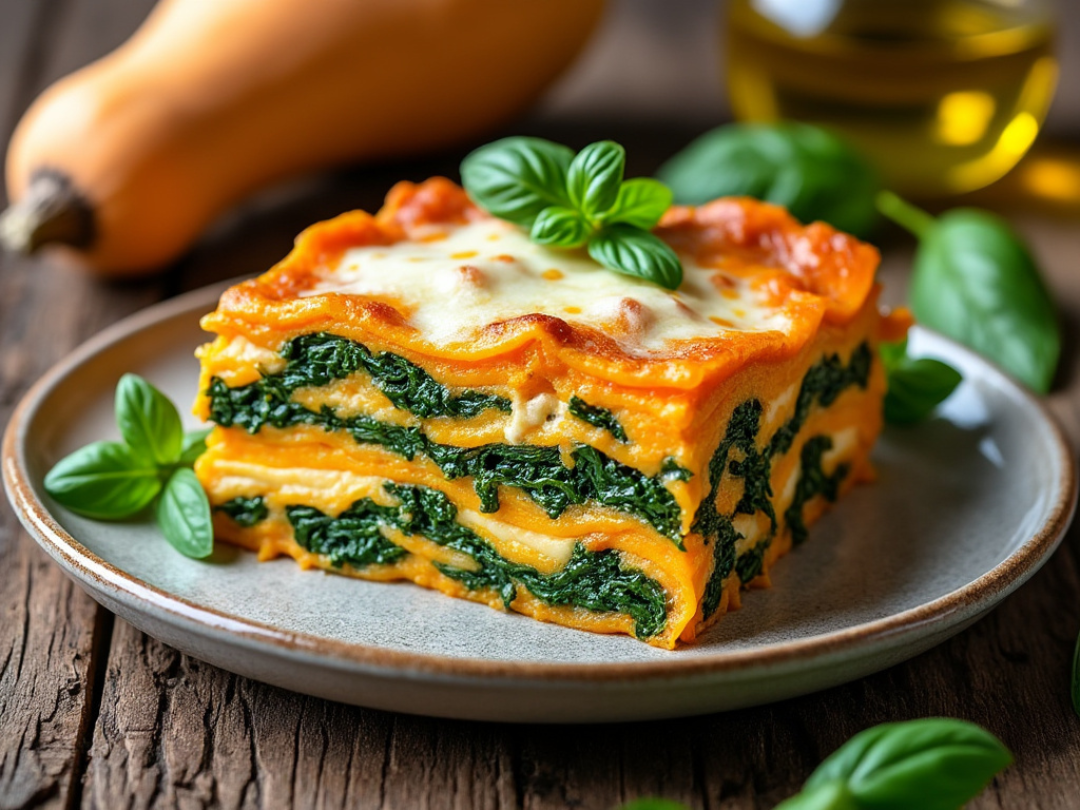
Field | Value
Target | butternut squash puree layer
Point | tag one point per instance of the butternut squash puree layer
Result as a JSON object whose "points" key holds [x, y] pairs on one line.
{"points": [[673, 389]]}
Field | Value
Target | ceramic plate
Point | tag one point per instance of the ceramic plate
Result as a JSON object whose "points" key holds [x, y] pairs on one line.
{"points": [[966, 507]]}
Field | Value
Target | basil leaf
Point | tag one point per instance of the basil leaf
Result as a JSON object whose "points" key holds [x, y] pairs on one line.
{"points": [[931, 764], [594, 177], [103, 480], [640, 202], [916, 385], [183, 514], [811, 172], [517, 178], [194, 446], [975, 280], [560, 227], [637, 252], [828, 796], [148, 421]]}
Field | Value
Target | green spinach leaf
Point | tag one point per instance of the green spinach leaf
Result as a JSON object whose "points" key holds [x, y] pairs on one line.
{"points": [[594, 580], [245, 512], [601, 418], [148, 421], [319, 358], [812, 482], [537, 471], [976, 281], [104, 480], [809, 171], [823, 383]]}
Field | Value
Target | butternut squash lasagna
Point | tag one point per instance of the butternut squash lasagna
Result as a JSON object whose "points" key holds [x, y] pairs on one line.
{"points": [[424, 394]]}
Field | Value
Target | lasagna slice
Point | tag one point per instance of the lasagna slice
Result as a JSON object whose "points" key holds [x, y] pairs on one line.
{"points": [[425, 394]]}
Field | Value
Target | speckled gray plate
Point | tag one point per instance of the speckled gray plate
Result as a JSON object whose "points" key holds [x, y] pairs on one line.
{"points": [[966, 508]]}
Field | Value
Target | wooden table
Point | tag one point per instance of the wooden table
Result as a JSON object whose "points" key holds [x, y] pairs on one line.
{"points": [[93, 713]]}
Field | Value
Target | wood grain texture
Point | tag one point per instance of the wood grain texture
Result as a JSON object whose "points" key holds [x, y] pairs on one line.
{"points": [[94, 713], [51, 634]]}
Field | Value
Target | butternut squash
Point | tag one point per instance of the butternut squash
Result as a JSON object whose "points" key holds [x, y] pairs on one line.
{"points": [[125, 161]]}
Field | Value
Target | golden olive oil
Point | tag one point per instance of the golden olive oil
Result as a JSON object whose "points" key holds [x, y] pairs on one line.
{"points": [[944, 95]]}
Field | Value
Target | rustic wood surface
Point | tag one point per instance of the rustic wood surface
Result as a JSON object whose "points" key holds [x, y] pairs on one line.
{"points": [[95, 714]]}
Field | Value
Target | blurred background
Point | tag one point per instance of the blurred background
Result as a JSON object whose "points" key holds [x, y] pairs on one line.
{"points": [[945, 95], [944, 130], [665, 60]]}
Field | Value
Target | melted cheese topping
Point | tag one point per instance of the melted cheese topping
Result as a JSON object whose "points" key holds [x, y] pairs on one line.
{"points": [[466, 277]]}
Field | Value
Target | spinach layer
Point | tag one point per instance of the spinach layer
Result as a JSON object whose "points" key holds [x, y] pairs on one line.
{"points": [[538, 471], [812, 482], [597, 417], [319, 359], [823, 383], [595, 580], [245, 512]]}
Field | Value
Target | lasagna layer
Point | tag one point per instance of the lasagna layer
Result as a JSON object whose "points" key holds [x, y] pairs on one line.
{"points": [[626, 467]]}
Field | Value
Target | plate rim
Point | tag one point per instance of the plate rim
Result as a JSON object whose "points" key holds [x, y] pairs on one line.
{"points": [[979, 595]]}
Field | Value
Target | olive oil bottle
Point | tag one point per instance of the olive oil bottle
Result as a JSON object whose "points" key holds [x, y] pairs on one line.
{"points": [[944, 95]]}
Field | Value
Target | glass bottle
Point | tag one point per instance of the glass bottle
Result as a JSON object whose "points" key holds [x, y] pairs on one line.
{"points": [[944, 95]]}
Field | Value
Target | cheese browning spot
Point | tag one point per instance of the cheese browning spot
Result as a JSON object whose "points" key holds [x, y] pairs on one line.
{"points": [[572, 310], [464, 254], [552, 274], [623, 316], [471, 275]]}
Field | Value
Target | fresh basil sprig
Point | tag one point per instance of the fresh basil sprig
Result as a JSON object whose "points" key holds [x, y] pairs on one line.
{"points": [[916, 385], [652, 803], [931, 764], [975, 280], [809, 171], [569, 201], [115, 480]]}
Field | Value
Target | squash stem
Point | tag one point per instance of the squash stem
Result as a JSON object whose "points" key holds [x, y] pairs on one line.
{"points": [[51, 212], [903, 213]]}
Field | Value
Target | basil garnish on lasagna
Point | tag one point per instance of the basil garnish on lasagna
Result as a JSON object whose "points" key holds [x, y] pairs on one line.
{"points": [[427, 394]]}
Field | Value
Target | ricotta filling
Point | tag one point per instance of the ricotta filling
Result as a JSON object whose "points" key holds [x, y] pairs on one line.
{"points": [[529, 414]]}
